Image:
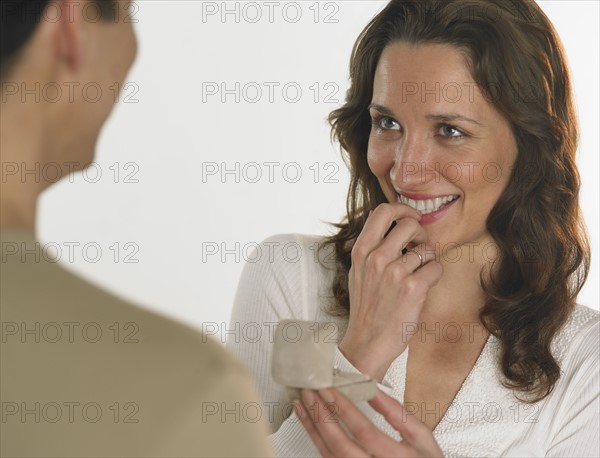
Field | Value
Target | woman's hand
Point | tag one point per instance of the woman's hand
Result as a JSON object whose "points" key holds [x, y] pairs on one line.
{"points": [[321, 412], [387, 289]]}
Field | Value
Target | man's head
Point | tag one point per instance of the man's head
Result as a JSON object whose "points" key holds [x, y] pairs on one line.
{"points": [[63, 62]]}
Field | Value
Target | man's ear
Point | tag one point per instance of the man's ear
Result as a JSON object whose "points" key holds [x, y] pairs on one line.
{"points": [[69, 33]]}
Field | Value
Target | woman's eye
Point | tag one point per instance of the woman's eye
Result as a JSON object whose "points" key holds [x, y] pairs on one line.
{"points": [[386, 123], [450, 131]]}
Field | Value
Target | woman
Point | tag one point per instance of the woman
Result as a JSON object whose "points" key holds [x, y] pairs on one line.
{"points": [[459, 128]]}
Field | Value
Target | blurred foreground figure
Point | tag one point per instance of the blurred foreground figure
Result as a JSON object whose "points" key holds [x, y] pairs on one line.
{"points": [[82, 372]]}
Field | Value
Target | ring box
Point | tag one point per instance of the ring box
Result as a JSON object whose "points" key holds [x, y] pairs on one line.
{"points": [[303, 356]]}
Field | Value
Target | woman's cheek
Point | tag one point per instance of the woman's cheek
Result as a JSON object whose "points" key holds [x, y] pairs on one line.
{"points": [[377, 162]]}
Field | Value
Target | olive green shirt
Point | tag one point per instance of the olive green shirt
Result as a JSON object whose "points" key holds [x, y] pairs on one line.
{"points": [[85, 374]]}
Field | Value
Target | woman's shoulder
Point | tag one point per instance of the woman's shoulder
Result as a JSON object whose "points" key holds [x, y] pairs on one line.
{"points": [[582, 320], [581, 333], [289, 271], [307, 241], [304, 240], [293, 251]]}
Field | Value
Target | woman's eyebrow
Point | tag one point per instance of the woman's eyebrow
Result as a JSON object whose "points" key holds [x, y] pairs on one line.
{"points": [[383, 110], [442, 117], [447, 117]]}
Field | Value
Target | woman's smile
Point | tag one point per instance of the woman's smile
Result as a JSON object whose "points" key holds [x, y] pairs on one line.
{"points": [[431, 207]]}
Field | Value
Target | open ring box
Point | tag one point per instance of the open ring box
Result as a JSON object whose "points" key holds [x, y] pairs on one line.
{"points": [[303, 355]]}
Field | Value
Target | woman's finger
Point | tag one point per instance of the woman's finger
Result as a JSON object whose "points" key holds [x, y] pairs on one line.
{"points": [[407, 232], [324, 419], [422, 277], [376, 442], [415, 258], [378, 224], [415, 433], [309, 427]]}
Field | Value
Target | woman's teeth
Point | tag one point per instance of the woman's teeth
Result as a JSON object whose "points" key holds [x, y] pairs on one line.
{"points": [[428, 205]]}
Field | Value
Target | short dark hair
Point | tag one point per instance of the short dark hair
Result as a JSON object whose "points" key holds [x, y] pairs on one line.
{"points": [[18, 20]]}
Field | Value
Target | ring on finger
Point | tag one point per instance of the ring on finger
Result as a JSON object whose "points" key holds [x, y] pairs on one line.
{"points": [[418, 254]]}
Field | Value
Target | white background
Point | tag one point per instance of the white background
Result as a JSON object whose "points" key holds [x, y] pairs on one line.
{"points": [[166, 137]]}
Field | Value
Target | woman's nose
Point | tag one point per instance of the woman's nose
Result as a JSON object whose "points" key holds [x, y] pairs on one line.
{"points": [[413, 164]]}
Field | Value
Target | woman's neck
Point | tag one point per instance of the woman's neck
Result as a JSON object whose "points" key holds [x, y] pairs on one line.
{"points": [[458, 296]]}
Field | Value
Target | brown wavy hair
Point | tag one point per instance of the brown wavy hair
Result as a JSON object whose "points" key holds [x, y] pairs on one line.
{"points": [[518, 62]]}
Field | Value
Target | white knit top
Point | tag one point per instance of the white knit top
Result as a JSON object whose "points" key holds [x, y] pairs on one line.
{"points": [[286, 281]]}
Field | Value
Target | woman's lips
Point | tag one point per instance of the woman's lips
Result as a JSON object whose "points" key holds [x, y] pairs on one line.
{"points": [[431, 207], [437, 215]]}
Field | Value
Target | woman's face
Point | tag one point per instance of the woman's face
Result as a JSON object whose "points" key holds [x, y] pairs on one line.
{"points": [[436, 143]]}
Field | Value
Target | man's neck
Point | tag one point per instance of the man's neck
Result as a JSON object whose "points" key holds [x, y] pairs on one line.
{"points": [[21, 158], [17, 216]]}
